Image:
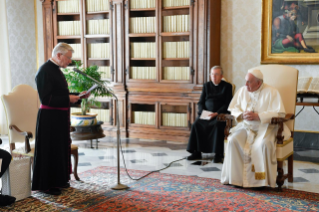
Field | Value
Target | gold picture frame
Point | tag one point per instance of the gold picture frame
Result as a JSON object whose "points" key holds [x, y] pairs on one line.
{"points": [[274, 38]]}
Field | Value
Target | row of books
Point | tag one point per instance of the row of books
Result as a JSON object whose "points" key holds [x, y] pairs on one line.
{"points": [[96, 27], [179, 49], [143, 50], [69, 27], [143, 72], [77, 50], [97, 5], [174, 119], [143, 25], [175, 3], [102, 114], [308, 85], [136, 4], [176, 73], [98, 50], [176, 23], [70, 6], [144, 117], [105, 72]]}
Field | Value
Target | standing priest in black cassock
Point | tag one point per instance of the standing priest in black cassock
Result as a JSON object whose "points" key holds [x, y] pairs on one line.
{"points": [[52, 157], [207, 136]]}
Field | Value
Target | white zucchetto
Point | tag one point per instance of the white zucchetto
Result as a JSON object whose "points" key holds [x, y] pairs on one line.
{"points": [[257, 73]]}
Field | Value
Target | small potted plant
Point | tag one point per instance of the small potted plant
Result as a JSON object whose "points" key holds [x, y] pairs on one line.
{"points": [[78, 83]]}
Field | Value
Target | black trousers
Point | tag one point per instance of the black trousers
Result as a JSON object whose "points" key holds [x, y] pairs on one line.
{"points": [[207, 136], [6, 160]]}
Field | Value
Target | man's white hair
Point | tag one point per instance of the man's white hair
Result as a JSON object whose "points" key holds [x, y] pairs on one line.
{"points": [[62, 48], [217, 67]]}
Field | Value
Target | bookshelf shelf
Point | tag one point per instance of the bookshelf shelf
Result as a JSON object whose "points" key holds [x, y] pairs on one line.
{"points": [[143, 58], [175, 8], [60, 14], [68, 36], [98, 59], [164, 34], [175, 59], [143, 9], [96, 36], [98, 12], [142, 35]]}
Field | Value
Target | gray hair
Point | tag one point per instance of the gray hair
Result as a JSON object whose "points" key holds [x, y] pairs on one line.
{"points": [[217, 67], [62, 48]]}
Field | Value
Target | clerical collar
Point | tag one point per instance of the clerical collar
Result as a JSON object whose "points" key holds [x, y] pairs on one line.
{"points": [[53, 62], [215, 84]]}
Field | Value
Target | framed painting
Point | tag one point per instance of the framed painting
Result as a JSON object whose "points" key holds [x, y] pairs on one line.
{"points": [[290, 32]]}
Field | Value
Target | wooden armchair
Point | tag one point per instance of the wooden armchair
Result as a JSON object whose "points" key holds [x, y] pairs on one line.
{"points": [[285, 79], [21, 108]]}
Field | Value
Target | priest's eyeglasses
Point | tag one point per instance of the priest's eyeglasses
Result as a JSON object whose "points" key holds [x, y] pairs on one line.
{"points": [[70, 58]]}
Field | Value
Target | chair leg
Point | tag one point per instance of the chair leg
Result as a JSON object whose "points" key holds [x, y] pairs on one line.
{"points": [[280, 177], [76, 160], [291, 168]]}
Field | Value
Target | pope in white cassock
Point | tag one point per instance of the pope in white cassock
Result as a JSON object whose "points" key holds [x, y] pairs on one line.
{"points": [[250, 156]]}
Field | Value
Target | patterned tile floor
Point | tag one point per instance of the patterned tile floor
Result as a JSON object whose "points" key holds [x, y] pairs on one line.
{"points": [[149, 155]]}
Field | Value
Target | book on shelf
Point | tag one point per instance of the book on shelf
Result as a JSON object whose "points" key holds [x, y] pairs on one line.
{"points": [[308, 85], [70, 6], [102, 114], [143, 25], [141, 117], [105, 72], [176, 73], [143, 50], [175, 3], [176, 49], [141, 72], [174, 119], [99, 50], [176, 23], [97, 5], [69, 28], [141, 4], [77, 50], [97, 27]]}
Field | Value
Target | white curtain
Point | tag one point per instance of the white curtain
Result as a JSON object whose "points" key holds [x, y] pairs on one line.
{"points": [[5, 73]]}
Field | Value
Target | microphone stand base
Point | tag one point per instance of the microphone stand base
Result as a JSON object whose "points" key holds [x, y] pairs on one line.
{"points": [[119, 186]]}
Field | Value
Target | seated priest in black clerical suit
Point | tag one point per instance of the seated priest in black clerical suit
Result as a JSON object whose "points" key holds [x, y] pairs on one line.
{"points": [[207, 134]]}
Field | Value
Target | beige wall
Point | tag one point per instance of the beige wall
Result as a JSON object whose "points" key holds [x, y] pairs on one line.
{"points": [[241, 50]]}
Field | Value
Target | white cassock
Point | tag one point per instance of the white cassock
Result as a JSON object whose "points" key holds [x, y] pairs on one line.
{"points": [[250, 155]]}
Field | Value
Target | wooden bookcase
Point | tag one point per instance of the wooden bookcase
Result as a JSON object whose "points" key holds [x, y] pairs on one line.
{"points": [[157, 69]]}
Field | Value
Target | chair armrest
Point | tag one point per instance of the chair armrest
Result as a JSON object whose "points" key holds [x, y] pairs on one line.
{"points": [[26, 134], [280, 122], [228, 119]]}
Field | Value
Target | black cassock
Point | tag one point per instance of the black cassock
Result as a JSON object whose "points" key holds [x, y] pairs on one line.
{"points": [[207, 136], [52, 161]]}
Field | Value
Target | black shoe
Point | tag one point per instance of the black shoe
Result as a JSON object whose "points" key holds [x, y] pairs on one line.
{"points": [[218, 159], [195, 156], [53, 191], [309, 50], [67, 185], [6, 200]]}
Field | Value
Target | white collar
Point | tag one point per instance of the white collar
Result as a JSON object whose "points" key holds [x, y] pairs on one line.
{"points": [[53, 62]]}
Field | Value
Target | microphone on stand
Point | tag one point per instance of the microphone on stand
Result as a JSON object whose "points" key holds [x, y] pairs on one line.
{"points": [[118, 186]]}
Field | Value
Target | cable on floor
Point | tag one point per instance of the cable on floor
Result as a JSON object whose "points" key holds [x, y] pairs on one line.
{"points": [[128, 174]]}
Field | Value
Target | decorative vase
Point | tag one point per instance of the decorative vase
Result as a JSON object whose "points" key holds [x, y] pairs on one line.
{"points": [[77, 119]]}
